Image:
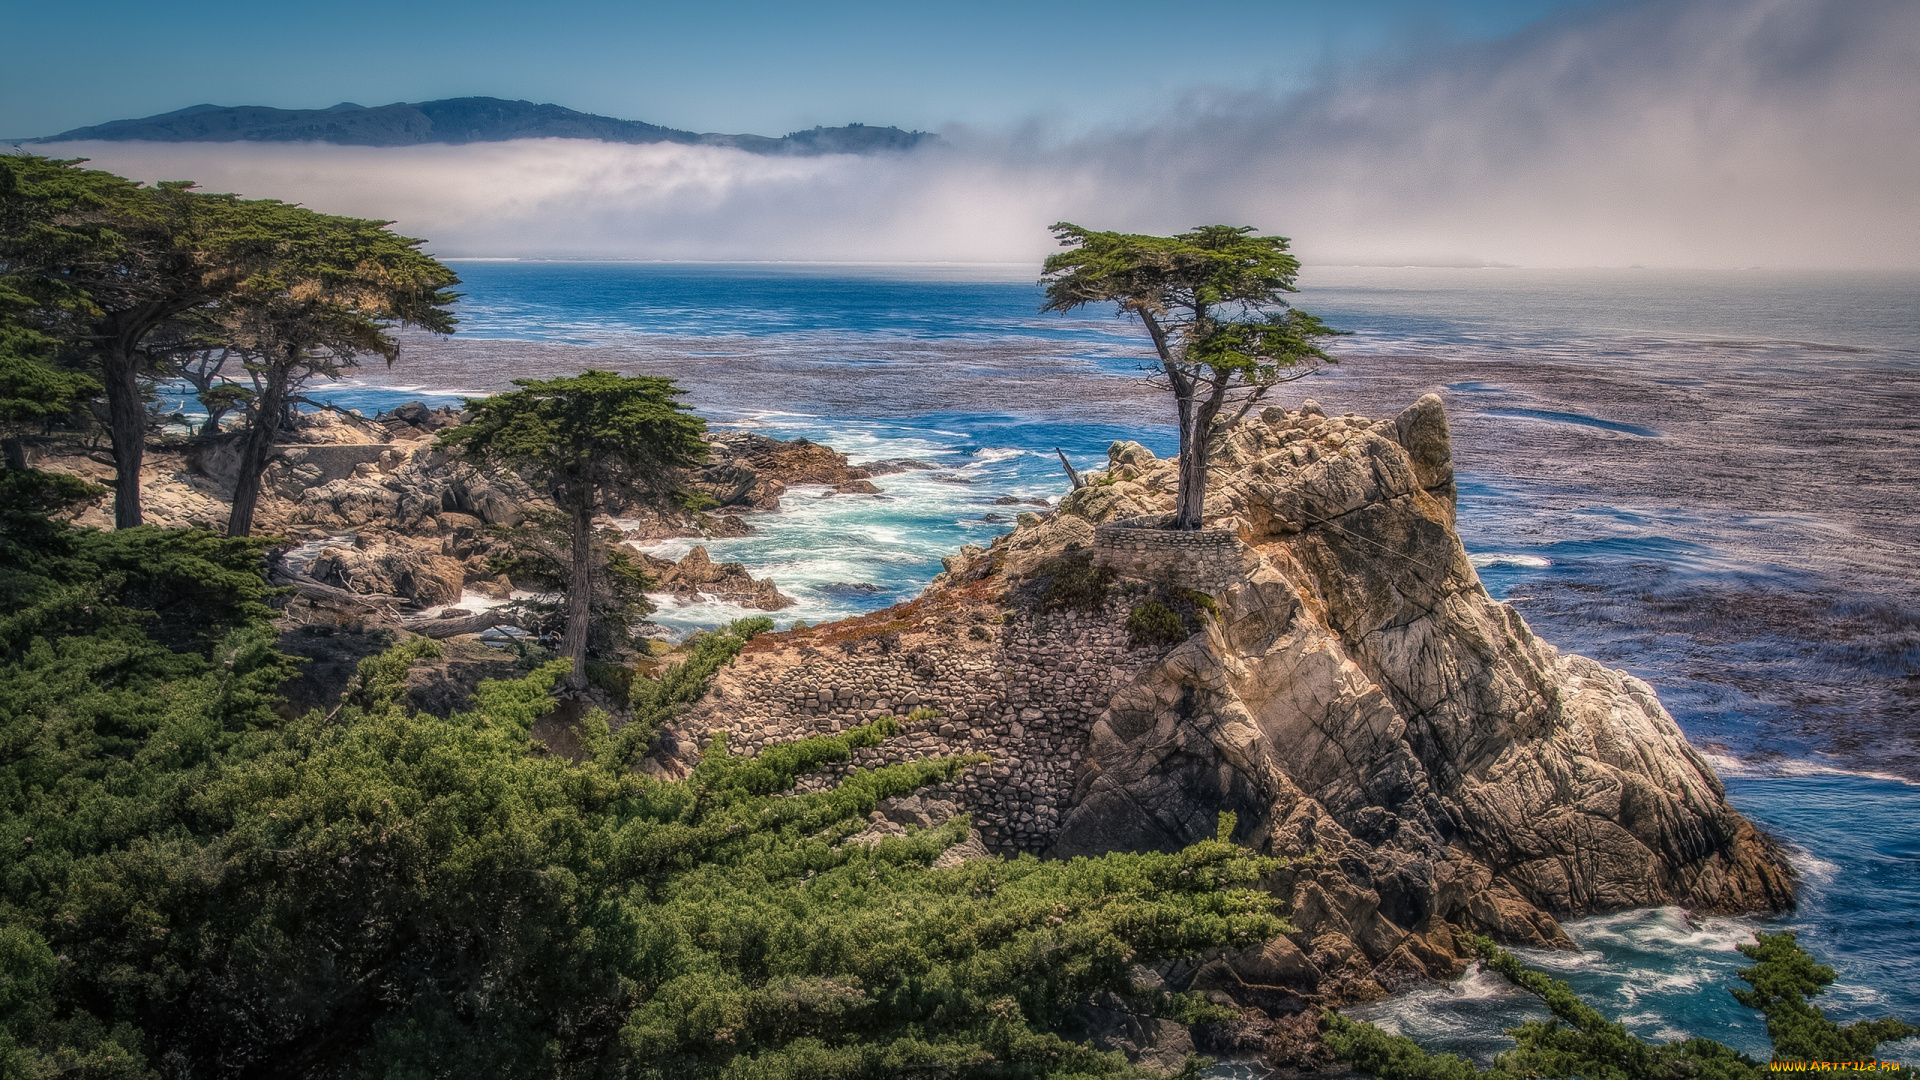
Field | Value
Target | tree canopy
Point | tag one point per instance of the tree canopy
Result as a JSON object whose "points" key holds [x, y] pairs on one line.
{"points": [[578, 437], [196, 885], [128, 278], [1213, 301], [105, 264], [324, 291]]}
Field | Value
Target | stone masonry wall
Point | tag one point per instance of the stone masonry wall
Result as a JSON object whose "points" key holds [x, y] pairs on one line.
{"points": [[1027, 696], [1143, 548]]}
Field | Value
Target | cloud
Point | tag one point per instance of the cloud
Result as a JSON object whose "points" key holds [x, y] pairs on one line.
{"points": [[1698, 132]]}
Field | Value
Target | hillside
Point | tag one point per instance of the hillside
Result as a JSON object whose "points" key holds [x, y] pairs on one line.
{"points": [[462, 120]]}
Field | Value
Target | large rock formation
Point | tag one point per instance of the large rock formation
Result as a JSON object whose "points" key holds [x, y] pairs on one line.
{"points": [[749, 471], [1336, 675], [1360, 695], [697, 576]]}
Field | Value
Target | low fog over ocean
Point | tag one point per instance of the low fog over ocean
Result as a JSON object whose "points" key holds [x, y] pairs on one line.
{"points": [[1775, 133]]}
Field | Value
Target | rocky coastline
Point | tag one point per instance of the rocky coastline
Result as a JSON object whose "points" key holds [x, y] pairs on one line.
{"points": [[1324, 663], [1321, 661], [404, 527]]}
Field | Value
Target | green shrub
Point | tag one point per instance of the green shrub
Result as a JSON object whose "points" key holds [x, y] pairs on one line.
{"points": [[1579, 1042], [614, 680], [1154, 623], [525, 915], [1074, 582], [1198, 600], [193, 882]]}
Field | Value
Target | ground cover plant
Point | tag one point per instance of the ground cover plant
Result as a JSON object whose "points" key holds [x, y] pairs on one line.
{"points": [[1577, 1041], [196, 886]]}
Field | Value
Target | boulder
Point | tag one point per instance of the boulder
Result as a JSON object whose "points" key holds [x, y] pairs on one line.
{"points": [[392, 565], [697, 575]]}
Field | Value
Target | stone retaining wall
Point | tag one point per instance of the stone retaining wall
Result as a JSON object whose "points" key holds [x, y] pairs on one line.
{"points": [[1144, 548], [1027, 696]]}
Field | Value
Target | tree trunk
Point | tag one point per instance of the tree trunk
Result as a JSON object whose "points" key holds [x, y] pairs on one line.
{"points": [[580, 590], [255, 453], [16, 454], [126, 428]]}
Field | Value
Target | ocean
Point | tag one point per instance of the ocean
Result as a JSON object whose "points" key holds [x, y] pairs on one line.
{"points": [[1707, 478]]}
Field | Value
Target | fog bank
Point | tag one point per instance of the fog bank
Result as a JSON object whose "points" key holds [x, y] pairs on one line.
{"points": [[1700, 133]]}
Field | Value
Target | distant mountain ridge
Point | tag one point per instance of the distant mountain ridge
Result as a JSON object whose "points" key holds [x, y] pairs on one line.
{"points": [[462, 120]]}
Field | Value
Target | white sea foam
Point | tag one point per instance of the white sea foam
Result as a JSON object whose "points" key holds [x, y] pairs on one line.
{"points": [[1814, 870], [1777, 768], [475, 602], [991, 455], [1498, 559]]}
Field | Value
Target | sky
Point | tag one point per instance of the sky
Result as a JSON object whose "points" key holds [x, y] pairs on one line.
{"points": [[1661, 133], [724, 65]]}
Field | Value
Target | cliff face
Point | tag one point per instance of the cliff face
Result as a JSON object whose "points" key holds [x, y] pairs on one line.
{"points": [[1345, 685], [1360, 693]]}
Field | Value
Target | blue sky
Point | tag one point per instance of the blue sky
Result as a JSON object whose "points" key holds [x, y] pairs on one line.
{"points": [[736, 65]]}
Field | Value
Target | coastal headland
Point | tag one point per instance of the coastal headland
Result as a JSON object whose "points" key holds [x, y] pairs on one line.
{"points": [[1322, 662]]}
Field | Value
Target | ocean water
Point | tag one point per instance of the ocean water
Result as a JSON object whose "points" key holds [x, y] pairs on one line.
{"points": [[1708, 479]]}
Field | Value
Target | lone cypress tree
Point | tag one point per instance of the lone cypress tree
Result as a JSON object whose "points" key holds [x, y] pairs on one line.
{"points": [[1213, 301], [577, 437]]}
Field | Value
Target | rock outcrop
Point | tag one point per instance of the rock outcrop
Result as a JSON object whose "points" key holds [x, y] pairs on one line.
{"points": [[392, 565], [1336, 676], [748, 471], [696, 575]]}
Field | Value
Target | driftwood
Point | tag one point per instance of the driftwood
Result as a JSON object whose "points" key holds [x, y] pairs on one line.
{"points": [[436, 627], [306, 586], [1068, 465], [461, 624]]}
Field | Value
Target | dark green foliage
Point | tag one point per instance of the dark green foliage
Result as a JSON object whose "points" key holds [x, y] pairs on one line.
{"points": [[314, 293], [1074, 582], [1198, 600], [33, 388], [1783, 981], [328, 899], [614, 680], [1154, 623], [578, 435], [537, 555], [578, 438], [183, 589], [1213, 302], [107, 737], [1579, 1042], [194, 885]]}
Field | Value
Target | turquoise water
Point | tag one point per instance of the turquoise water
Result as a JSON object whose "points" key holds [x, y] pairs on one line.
{"points": [[1707, 479], [1664, 973]]}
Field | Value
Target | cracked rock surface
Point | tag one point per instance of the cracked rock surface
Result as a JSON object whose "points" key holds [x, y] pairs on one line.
{"points": [[1350, 691]]}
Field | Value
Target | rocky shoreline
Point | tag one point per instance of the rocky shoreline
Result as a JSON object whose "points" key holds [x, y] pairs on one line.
{"points": [[406, 527], [1322, 662]]}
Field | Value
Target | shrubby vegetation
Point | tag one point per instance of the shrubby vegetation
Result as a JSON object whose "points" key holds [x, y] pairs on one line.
{"points": [[196, 885], [1154, 623], [1579, 1042]]}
